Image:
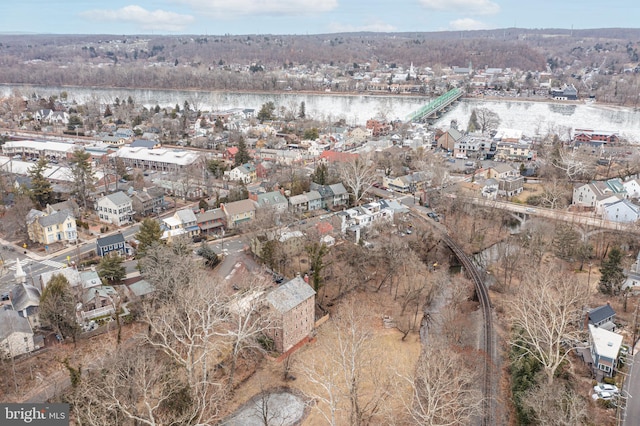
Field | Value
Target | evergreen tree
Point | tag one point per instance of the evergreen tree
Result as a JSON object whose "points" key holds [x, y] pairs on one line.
{"points": [[149, 234], [266, 112], [316, 252], [111, 269], [320, 175], [83, 175], [473, 122], [242, 156], [58, 307], [107, 112], [311, 134], [612, 275], [302, 112], [211, 259], [41, 192]]}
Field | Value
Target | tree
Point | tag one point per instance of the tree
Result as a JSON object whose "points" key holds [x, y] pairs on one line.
{"points": [[473, 122], [444, 388], [544, 317], [111, 269], [565, 242], [311, 134], [573, 163], [242, 156], [149, 234], [168, 269], [611, 273], [217, 168], [58, 307], [557, 404], [107, 112], [266, 112], [347, 373], [316, 252], [140, 385], [82, 174], [211, 259], [358, 175], [41, 191], [487, 120], [188, 329], [321, 174], [13, 222], [302, 111]]}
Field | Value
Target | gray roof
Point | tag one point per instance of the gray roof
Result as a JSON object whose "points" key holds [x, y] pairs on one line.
{"points": [[141, 288], [290, 295], [111, 239], [186, 215], [23, 296], [338, 189], [601, 313], [143, 143], [119, 198], [271, 198], [11, 322], [55, 218]]}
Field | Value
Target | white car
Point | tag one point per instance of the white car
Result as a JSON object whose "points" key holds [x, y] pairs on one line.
{"points": [[607, 396], [603, 387]]}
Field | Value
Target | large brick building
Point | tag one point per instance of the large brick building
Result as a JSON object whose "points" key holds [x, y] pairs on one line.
{"points": [[294, 313]]}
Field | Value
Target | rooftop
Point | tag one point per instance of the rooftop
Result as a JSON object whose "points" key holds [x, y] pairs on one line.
{"points": [[290, 295]]}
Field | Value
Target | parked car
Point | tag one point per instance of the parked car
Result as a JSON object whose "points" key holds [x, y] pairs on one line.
{"points": [[604, 387], [433, 216], [607, 396]]}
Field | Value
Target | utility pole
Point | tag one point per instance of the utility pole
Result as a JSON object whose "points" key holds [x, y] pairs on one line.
{"points": [[635, 328]]}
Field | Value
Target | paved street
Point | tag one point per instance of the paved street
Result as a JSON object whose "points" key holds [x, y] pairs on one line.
{"points": [[632, 391]]}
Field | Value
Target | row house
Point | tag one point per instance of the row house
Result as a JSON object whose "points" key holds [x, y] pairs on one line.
{"points": [[307, 201], [51, 226], [273, 200], [406, 184], [115, 208], [515, 151], [239, 212], [183, 222], [378, 128], [211, 222], [161, 159], [40, 149], [148, 201], [470, 146], [331, 196]]}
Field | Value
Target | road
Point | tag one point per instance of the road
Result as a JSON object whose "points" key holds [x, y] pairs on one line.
{"points": [[631, 390]]}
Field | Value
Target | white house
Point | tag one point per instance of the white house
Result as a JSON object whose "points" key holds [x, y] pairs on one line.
{"points": [[183, 222], [115, 208], [605, 347], [632, 187], [622, 211]]}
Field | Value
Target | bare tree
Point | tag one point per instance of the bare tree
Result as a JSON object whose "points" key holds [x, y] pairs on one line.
{"points": [[487, 119], [349, 377], [545, 314], [188, 329], [14, 222], [140, 386], [574, 164], [555, 194], [248, 321], [358, 175], [556, 405], [444, 388]]}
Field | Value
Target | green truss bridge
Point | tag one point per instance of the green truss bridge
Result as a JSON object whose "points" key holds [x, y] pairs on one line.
{"points": [[433, 108]]}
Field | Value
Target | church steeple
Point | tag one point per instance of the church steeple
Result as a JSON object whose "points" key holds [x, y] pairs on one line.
{"points": [[20, 276]]}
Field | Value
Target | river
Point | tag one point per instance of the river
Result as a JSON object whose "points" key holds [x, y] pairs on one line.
{"points": [[533, 118]]}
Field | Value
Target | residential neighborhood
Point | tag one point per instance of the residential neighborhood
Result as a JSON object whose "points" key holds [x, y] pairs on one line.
{"points": [[224, 255]]}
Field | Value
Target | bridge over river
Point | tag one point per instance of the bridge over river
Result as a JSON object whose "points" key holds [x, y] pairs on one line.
{"points": [[433, 108]]}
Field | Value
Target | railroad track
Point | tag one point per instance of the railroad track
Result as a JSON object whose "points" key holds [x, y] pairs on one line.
{"points": [[485, 304]]}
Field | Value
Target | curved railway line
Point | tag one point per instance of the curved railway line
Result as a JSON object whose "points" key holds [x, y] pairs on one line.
{"points": [[487, 338], [485, 304]]}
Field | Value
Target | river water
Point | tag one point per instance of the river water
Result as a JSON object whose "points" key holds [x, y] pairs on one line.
{"points": [[533, 118]]}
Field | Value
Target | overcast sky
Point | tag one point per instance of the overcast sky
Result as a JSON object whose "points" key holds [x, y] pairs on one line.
{"points": [[218, 17]]}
